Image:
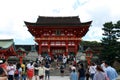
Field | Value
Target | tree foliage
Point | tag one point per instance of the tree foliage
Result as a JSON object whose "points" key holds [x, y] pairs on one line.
{"points": [[110, 43], [90, 43]]}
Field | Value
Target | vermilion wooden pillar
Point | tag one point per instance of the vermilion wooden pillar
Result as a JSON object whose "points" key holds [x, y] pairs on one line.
{"points": [[75, 49], [21, 58], [49, 49], [66, 48], [21, 55], [40, 49], [88, 58], [89, 54]]}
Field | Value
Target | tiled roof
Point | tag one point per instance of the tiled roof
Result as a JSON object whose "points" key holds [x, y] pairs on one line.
{"points": [[25, 47], [63, 20], [59, 21], [20, 49], [6, 43]]}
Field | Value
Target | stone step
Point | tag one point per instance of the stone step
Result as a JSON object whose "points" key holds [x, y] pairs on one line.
{"points": [[56, 72]]}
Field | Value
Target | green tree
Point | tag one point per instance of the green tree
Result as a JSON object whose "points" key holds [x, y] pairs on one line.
{"points": [[90, 43], [110, 42]]}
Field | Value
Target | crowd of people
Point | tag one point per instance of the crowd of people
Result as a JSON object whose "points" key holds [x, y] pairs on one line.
{"points": [[94, 72], [42, 66], [24, 71]]}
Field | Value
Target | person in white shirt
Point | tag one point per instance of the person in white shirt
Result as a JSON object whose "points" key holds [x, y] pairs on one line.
{"points": [[103, 65], [30, 70], [10, 69], [41, 71], [92, 70], [64, 61]]}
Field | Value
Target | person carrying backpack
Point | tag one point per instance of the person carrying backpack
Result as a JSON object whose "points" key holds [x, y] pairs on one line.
{"points": [[18, 72]]}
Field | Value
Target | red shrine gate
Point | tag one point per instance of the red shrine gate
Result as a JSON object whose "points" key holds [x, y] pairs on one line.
{"points": [[7, 48], [58, 35]]}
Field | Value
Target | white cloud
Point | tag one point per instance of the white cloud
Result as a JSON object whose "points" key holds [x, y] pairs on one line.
{"points": [[15, 12], [94, 34], [100, 11]]}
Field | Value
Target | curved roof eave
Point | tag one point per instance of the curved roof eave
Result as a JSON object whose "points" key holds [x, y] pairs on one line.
{"points": [[60, 24], [6, 43]]}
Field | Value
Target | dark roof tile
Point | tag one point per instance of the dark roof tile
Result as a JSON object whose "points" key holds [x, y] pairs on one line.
{"points": [[62, 20]]}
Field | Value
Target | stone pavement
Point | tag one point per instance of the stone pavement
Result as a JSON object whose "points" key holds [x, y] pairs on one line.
{"points": [[56, 78], [65, 78], [118, 77]]}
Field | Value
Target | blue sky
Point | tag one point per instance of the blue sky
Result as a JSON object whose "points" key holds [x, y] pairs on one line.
{"points": [[15, 12]]}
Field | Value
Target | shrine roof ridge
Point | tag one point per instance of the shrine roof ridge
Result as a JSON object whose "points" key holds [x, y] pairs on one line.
{"points": [[65, 19]]}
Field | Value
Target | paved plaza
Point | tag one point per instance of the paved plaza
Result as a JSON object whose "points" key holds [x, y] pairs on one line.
{"points": [[65, 78], [57, 78]]}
